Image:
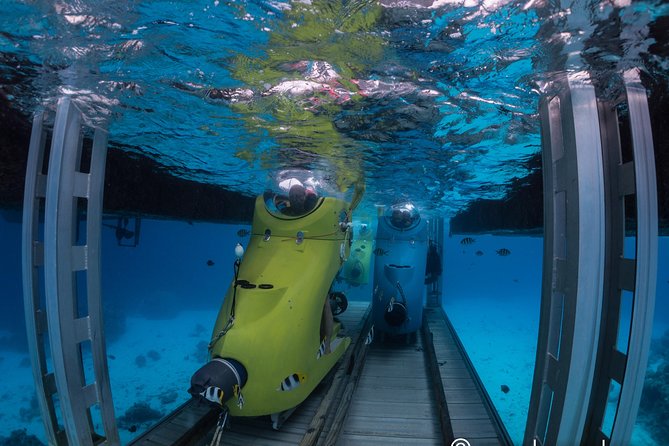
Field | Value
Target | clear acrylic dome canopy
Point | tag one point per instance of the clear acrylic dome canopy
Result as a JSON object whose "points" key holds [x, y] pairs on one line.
{"points": [[296, 192], [402, 216]]}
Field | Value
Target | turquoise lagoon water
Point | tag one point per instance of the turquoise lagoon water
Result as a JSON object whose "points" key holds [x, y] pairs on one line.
{"points": [[161, 299]]}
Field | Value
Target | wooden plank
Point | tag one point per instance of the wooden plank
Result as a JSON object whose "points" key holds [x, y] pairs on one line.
{"points": [[363, 440], [231, 438], [397, 395], [462, 396], [467, 411], [419, 409], [481, 428], [282, 435], [459, 383], [454, 373], [383, 426], [398, 368], [379, 381]]}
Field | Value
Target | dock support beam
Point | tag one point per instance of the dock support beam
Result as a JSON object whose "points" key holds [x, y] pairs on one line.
{"points": [[435, 231], [69, 311], [584, 271]]}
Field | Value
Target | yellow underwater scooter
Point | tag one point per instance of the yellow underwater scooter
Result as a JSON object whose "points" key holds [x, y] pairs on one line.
{"points": [[266, 349], [356, 269]]}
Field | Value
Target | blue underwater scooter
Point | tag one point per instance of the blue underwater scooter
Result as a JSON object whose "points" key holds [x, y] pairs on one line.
{"points": [[399, 271]]}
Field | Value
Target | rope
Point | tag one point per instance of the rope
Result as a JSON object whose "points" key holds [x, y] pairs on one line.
{"points": [[231, 319], [399, 288], [220, 427], [404, 299]]}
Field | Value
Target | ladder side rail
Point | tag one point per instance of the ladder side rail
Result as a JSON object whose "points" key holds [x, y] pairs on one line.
{"points": [[32, 259], [605, 371], [542, 394], [646, 260], [59, 276], [63, 259], [590, 255], [95, 192]]}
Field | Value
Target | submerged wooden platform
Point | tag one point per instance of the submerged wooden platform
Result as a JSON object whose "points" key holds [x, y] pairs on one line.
{"points": [[470, 410], [421, 390], [393, 404]]}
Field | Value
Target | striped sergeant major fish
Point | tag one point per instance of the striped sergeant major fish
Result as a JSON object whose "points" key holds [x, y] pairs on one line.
{"points": [[292, 381], [467, 241], [213, 394], [370, 336], [321, 350]]}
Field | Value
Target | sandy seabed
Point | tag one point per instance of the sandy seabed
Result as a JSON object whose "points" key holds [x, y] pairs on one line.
{"points": [[151, 363]]}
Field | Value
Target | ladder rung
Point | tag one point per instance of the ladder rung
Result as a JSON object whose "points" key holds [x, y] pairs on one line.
{"points": [[79, 258], [81, 182], [82, 329], [90, 394]]}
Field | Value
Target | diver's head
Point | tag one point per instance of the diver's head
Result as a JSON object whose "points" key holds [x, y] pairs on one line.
{"points": [[302, 199], [401, 219], [297, 196]]}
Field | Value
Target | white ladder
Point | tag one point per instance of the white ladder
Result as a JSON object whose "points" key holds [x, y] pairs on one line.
{"points": [[584, 271], [61, 281]]}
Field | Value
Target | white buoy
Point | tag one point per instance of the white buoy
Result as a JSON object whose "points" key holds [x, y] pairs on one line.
{"points": [[239, 251]]}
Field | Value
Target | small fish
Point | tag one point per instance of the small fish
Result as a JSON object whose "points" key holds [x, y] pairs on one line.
{"points": [[467, 241], [370, 336], [503, 252], [504, 388], [479, 253], [210, 262], [213, 394], [321, 350], [132, 428], [111, 356], [237, 392], [292, 381], [380, 252], [243, 232]]}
